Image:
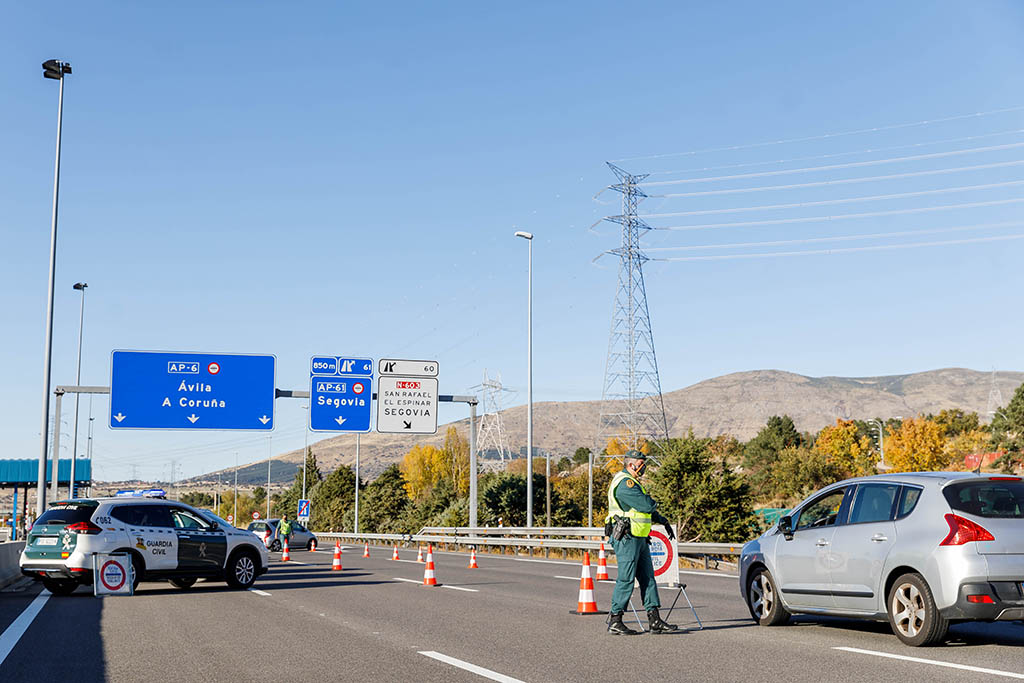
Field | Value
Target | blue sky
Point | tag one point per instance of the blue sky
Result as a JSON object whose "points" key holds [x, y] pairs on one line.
{"points": [[259, 177]]}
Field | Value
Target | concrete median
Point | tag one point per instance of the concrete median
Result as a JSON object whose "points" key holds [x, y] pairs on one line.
{"points": [[10, 553]]}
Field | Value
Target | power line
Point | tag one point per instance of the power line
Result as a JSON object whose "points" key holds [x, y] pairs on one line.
{"points": [[842, 181], [844, 250], [842, 216], [835, 155], [841, 238], [825, 136], [828, 202], [833, 167]]}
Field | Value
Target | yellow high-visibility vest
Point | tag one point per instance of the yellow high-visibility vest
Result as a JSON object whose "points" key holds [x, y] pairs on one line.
{"points": [[639, 522]]}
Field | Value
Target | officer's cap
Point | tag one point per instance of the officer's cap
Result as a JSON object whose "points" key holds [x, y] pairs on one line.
{"points": [[635, 455]]}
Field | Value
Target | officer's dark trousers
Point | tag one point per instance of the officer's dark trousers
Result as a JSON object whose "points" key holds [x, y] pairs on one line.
{"points": [[633, 556]]}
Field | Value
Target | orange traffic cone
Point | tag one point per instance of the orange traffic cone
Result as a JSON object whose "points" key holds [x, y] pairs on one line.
{"points": [[312, 545], [394, 555], [472, 559], [336, 562], [366, 550], [602, 566], [428, 571], [285, 557], [419, 555], [586, 603]]}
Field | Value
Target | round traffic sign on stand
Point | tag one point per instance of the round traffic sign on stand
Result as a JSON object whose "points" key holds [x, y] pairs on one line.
{"points": [[113, 575], [661, 556], [231, 518], [255, 514]]}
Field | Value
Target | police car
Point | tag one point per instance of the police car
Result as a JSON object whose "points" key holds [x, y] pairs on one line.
{"points": [[167, 540]]}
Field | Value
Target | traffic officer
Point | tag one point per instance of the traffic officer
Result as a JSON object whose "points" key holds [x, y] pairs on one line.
{"points": [[284, 529], [634, 510]]}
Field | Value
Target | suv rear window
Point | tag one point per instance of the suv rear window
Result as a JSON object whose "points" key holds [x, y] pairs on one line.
{"points": [[988, 498], [67, 513]]}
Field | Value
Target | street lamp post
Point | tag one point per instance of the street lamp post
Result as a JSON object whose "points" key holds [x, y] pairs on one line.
{"points": [[529, 376], [55, 69], [78, 381], [881, 439]]}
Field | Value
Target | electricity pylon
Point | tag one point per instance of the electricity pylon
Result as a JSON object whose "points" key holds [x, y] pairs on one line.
{"points": [[632, 407], [492, 433]]}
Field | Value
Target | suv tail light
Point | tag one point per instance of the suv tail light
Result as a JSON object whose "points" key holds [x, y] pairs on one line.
{"points": [[84, 528], [964, 531]]}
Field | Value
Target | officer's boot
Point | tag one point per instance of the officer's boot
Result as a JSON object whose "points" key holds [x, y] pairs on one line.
{"points": [[657, 624], [617, 628]]}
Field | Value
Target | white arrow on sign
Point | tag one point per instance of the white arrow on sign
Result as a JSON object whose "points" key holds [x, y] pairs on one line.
{"points": [[192, 418], [264, 419], [340, 420], [119, 417]]}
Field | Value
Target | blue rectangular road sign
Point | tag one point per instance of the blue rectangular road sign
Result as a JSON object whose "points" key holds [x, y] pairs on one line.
{"points": [[303, 509], [180, 390], [340, 391]]}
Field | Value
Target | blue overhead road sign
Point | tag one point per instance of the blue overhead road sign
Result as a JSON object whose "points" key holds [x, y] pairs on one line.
{"points": [[175, 390], [340, 392]]}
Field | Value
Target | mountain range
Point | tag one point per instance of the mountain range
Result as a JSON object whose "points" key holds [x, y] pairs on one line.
{"points": [[739, 404]]}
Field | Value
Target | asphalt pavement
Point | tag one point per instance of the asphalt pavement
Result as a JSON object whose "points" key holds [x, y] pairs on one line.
{"points": [[509, 621]]}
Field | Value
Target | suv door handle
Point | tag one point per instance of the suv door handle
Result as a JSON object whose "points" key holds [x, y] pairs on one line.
{"points": [[879, 538], [821, 543]]}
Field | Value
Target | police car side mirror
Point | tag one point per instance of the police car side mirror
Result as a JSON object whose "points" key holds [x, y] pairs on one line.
{"points": [[786, 527]]}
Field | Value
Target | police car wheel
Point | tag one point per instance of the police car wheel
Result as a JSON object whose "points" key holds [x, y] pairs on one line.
{"points": [[60, 586], [275, 546], [183, 583], [241, 570]]}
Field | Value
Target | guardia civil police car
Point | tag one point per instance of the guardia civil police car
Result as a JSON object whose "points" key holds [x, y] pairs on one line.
{"points": [[167, 540]]}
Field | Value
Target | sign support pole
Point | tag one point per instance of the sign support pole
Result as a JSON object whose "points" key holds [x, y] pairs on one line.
{"points": [[472, 463], [56, 444], [357, 484]]}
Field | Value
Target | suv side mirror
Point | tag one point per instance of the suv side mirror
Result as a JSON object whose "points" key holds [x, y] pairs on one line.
{"points": [[214, 526], [786, 526]]}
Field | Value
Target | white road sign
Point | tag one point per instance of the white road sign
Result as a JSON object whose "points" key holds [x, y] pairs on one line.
{"points": [[664, 558], [408, 368], [112, 574], [406, 405]]}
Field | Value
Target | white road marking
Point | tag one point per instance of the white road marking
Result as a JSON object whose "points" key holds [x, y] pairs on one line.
{"points": [[259, 592], [933, 662], [13, 633], [718, 574], [406, 580], [472, 668], [571, 578], [460, 588], [295, 562]]}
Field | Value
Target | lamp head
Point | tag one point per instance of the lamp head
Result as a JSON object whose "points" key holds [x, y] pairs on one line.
{"points": [[81, 285], [55, 69], [524, 235]]}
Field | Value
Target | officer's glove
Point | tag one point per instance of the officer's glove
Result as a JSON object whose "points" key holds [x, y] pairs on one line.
{"points": [[668, 532]]}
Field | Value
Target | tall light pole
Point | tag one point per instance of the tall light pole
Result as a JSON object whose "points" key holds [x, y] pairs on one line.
{"points": [[56, 70], [881, 439], [78, 380], [529, 376]]}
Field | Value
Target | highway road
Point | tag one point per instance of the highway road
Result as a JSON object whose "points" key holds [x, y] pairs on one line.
{"points": [[508, 621]]}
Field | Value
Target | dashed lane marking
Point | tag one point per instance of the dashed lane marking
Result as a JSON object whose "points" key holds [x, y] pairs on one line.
{"points": [[440, 585], [933, 662], [472, 668], [13, 633], [259, 592]]}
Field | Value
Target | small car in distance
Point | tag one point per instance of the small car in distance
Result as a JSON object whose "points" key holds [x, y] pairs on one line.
{"points": [[920, 550], [301, 536]]}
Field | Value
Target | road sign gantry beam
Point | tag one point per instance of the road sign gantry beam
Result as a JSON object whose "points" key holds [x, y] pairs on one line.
{"points": [[471, 400]]}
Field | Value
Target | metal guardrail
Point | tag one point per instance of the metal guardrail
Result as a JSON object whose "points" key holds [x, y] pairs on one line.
{"points": [[523, 537]]}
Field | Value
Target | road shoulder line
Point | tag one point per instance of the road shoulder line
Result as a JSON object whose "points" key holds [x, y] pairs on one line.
{"points": [[13, 633]]}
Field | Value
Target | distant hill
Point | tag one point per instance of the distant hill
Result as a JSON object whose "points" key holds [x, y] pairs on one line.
{"points": [[738, 404]]}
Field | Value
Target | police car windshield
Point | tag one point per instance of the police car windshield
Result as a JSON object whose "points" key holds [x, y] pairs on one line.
{"points": [[224, 524]]}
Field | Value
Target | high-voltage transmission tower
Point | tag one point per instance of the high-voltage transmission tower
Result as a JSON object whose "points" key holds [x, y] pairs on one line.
{"points": [[632, 408], [492, 433], [995, 397]]}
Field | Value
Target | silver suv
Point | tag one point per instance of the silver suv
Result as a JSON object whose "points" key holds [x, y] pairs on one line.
{"points": [[920, 550]]}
